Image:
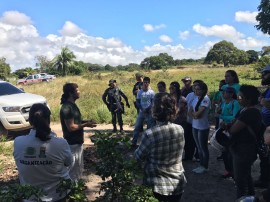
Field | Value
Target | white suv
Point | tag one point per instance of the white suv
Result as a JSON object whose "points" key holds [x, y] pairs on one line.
{"points": [[14, 107]]}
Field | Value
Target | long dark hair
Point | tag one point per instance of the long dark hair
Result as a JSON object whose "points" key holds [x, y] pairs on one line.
{"points": [[163, 109], [178, 90], [234, 75], [39, 118], [251, 93], [204, 88], [68, 88]]}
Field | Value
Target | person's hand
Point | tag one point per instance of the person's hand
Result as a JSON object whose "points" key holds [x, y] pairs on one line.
{"points": [[90, 124], [223, 125], [128, 105]]}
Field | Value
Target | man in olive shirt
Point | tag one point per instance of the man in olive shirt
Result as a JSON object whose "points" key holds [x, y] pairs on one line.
{"points": [[72, 126]]}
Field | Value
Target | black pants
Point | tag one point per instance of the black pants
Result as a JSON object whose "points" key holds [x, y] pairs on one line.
{"points": [[227, 159], [164, 198], [264, 170], [243, 156], [190, 144], [117, 116]]}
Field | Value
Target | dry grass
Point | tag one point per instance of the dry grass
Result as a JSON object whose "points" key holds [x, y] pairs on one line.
{"points": [[92, 87]]}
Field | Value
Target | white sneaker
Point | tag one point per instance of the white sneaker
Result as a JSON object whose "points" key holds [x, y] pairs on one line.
{"points": [[201, 170], [198, 168]]}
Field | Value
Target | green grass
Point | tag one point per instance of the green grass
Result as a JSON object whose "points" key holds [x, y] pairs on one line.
{"points": [[93, 85]]}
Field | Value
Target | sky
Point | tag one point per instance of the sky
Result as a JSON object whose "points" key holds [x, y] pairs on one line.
{"points": [[120, 32]]}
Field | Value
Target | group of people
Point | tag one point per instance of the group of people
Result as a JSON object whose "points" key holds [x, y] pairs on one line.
{"points": [[43, 159], [177, 124]]}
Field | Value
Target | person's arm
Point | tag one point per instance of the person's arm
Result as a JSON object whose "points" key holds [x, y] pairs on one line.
{"points": [[265, 102], [197, 114], [142, 151], [125, 98], [104, 96], [267, 135], [237, 126], [71, 126]]}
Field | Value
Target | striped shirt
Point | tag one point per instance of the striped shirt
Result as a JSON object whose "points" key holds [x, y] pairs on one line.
{"points": [[162, 149]]}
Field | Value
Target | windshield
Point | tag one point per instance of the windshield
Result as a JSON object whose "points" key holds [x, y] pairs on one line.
{"points": [[8, 89]]}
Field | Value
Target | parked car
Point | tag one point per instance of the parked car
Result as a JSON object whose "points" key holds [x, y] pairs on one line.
{"points": [[48, 76], [14, 107], [31, 79]]}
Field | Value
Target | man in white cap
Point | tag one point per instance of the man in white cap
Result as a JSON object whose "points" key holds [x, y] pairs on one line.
{"points": [[187, 88]]}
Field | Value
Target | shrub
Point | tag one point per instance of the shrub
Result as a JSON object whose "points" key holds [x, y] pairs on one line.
{"points": [[118, 170]]}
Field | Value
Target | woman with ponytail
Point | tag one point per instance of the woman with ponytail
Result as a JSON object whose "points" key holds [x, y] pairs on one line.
{"points": [[42, 159], [200, 125]]}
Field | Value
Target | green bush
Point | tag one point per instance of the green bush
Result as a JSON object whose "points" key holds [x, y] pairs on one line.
{"points": [[118, 170]]}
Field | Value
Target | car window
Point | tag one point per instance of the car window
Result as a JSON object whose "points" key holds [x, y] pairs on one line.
{"points": [[8, 89]]}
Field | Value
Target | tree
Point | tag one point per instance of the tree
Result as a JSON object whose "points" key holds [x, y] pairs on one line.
{"points": [[22, 73], [263, 17], [225, 53], [265, 50], [253, 56], [4, 69], [265, 60], [63, 61], [43, 63], [163, 60]]}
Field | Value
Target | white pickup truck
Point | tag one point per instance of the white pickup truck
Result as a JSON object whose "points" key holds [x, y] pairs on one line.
{"points": [[14, 107]]}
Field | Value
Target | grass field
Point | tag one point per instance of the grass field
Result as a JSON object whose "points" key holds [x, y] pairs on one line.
{"points": [[93, 85]]}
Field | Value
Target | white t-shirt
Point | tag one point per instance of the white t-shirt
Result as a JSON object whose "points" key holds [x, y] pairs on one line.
{"points": [[42, 164], [190, 97], [201, 123], [146, 98]]}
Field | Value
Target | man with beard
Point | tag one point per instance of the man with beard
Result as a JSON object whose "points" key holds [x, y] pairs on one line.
{"points": [[265, 103], [72, 126]]}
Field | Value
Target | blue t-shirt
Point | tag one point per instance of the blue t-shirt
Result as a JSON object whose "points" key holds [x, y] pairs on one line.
{"points": [[266, 111]]}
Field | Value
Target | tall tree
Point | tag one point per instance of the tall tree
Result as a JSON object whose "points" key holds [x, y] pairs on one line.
{"points": [[253, 56], [43, 62], [226, 53], [4, 69], [263, 17], [63, 61]]}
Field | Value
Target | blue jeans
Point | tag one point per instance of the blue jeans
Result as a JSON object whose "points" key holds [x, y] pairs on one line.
{"points": [[139, 124], [201, 140]]}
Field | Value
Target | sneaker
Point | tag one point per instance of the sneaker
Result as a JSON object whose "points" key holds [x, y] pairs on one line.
{"points": [[201, 170], [226, 175], [198, 168], [114, 130]]}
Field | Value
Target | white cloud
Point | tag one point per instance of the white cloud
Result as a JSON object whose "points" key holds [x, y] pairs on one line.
{"points": [[20, 43], [151, 28], [222, 31], [70, 29], [165, 39], [229, 33], [15, 18], [184, 35], [246, 16]]}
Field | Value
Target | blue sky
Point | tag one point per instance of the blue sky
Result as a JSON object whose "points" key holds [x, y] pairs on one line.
{"points": [[122, 32]]}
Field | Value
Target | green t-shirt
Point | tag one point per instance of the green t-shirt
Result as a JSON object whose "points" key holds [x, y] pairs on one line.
{"points": [[68, 111]]}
